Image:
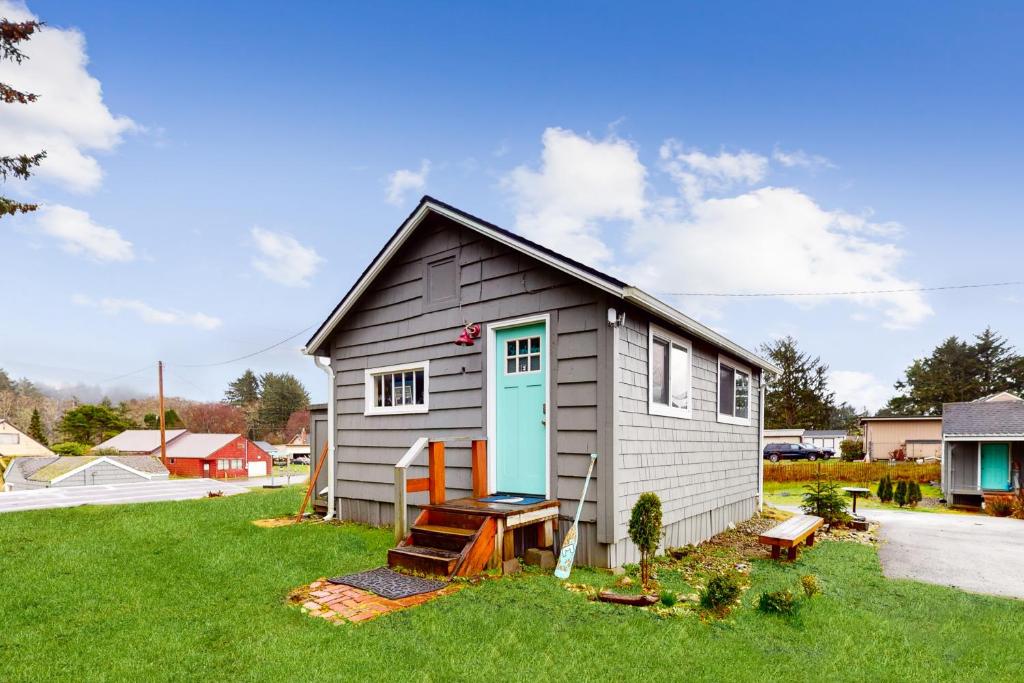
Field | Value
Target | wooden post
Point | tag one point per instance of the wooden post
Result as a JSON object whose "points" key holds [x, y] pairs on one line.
{"points": [[436, 467], [480, 468], [163, 430], [401, 508]]}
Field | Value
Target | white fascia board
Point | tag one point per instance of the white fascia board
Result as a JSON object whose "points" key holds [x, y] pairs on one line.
{"points": [[97, 461], [650, 304], [403, 234]]}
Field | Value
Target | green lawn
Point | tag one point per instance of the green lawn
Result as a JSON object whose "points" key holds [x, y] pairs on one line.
{"points": [[790, 493], [192, 590]]}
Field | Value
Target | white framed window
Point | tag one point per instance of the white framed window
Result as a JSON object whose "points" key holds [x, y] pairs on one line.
{"points": [[733, 392], [9, 438], [398, 389], [522, 355], [669, 374]]}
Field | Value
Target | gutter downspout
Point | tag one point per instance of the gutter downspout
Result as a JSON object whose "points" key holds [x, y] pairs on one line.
{"points": [[760, 442], [324, 363]]}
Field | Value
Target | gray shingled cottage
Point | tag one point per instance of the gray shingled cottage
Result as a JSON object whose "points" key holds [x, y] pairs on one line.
{"points": [[567, 361]]}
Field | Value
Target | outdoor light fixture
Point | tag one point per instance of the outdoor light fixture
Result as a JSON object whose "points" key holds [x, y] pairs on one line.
{"points": [[469, 333], [615, 318]]}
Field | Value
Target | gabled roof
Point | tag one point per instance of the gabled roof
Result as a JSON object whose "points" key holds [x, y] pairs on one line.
{"points": [[825, 432], [52, 470], [26, 444], [994, 418], [140, 440], [199, 445], [607, 283], [883, 418], [998, 396]]}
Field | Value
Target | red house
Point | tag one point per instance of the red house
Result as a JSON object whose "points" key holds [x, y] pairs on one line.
{"points": [[196, 455], [219, 456]]}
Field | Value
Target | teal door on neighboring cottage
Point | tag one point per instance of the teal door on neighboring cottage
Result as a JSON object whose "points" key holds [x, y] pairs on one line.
{"points": [[995, 466], [520, 412]]}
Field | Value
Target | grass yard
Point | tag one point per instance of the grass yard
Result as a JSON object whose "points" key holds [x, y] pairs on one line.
{"points": [[791, 492], [192, 590]]}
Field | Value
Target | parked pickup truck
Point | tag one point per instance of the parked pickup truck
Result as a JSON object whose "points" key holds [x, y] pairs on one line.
{"points": [[794, 451]]}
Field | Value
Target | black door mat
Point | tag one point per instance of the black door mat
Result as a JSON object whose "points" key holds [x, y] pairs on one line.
{"points": [[389, 584]]}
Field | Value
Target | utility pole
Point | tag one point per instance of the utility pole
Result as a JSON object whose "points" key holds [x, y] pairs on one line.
{"points": [[163, 432]]}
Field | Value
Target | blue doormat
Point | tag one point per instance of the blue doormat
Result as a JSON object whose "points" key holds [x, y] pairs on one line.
{"points": [[511, 499]]}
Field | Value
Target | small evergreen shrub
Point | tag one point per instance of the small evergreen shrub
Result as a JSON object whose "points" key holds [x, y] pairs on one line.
{"points": [[645, 531], [722, 590], [826, 500], [899, 496], [851, 449], [913, 493], [777, 602], [884, 491], [669, 598], [70, 448], [809, 583], [999, 507]]}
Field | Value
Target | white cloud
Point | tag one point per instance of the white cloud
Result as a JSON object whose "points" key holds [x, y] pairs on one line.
{"points": [[283, 259], [581, 181], [693, 241], [859, 389], [405, 180], [147, 313], [78, 234], [70, 119], [800, 159], [697, 173]]}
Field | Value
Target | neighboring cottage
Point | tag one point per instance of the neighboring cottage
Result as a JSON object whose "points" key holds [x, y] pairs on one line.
{"points": [[983, 448], [297, 446], [82, 470], [556, 361], [14, 442], [196, 455], [920, 437]]}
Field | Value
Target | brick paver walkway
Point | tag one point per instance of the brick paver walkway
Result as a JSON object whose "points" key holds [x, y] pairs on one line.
{"points": [[338, 603]]}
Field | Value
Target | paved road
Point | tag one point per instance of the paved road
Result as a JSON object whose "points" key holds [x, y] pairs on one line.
{"points": [[975, 553], [142, 492], [278, 480]]}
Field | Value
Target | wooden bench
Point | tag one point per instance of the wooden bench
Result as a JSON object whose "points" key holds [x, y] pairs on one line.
{"points": [[792, 533]]}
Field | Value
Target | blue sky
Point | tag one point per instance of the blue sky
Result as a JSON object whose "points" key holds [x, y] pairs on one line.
{"points": [[242, 164]]}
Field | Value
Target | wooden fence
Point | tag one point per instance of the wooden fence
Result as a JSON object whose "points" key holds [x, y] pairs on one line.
{"points": [[857, 472]]}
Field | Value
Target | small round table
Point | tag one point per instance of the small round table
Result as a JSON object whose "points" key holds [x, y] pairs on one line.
{"points": [[856, 491]]}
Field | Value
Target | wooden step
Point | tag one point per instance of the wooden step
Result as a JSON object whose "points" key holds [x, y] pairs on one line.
{"points": [[439, 536], [436, 561]]}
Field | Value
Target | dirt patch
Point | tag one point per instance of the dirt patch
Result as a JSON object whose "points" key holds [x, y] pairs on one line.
{"points": [[274, 522]]}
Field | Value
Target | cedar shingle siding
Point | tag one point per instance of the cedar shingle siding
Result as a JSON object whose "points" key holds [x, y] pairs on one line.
{"points": [[705, 472]]}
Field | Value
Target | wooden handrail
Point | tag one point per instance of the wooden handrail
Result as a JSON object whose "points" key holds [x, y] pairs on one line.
{"points": [[434, 484]]}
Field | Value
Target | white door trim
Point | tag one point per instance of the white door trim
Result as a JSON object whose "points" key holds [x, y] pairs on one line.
{"points": [[492, 417]]}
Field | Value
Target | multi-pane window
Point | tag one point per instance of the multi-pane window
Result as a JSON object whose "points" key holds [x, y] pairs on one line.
{"points": [[397, 389], [522, 355], [9, 438], [670, 370], [733, 393]]}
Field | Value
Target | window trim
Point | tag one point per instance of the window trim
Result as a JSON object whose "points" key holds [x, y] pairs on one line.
{"points": [[672, 338], [725, 418], [368, 405]]}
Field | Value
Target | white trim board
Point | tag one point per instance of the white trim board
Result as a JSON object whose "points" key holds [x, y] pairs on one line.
{"points": [[97, 461], [492, 416], [626, 293]]}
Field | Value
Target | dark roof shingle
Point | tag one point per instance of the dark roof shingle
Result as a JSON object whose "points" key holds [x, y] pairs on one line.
{"points": [[1004, 418]]}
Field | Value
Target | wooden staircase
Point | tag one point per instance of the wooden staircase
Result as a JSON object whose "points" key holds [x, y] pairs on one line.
{"points": [[446, 543]]}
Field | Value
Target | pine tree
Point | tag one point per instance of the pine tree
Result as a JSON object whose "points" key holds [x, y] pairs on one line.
{"points": [[13, 33], [244, 391], [799, 396], [884, 490], [913, 493], [35, 428], [282, 394], [900, 496]]}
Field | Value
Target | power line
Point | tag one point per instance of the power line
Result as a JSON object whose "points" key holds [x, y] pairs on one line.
{"points": [[248, 355], [847, 292]]}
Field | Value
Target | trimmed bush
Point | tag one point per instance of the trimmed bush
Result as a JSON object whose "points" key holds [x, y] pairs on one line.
{"points": [[899, 496], [669, 598], [851, 449], [884, 491], [645, 531], [70, 448], [913, 493], [777, 602], [809, 583], [722, 590]]}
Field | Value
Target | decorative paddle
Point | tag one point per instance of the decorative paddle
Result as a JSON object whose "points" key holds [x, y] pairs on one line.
{"points": [[568, 552]]}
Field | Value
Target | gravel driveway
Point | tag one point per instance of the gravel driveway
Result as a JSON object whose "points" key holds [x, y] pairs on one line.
{"points": [[142, 492]]}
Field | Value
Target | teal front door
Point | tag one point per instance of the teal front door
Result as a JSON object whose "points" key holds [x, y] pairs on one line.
{"points": [[520, 413], [995, 466]]}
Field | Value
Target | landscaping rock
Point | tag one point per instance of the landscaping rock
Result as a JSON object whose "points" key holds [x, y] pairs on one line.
{"points": [[509, 567], [545, 559]]}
